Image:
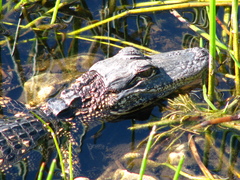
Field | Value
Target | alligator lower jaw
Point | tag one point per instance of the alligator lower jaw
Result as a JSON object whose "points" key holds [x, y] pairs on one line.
{"points": [[179, 90]]}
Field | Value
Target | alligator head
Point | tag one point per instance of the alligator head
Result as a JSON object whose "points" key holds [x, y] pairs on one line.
{"points": [[139, 80], [129, 82]]}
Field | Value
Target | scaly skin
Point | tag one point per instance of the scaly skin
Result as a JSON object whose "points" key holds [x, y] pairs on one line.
{"points": [[111, 89]]}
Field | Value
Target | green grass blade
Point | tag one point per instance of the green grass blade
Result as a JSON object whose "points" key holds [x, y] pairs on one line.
{"points": [[212, 49], [237, 63], [55, 11], [51, 170], [40, 173], [146, 152], [180, 164], [236, 43], [55, 142], [70, 160], [205, 97], [1, 8]]}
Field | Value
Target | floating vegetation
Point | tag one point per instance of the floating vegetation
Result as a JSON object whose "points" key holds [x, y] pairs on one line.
{"points": [[185, 118]]}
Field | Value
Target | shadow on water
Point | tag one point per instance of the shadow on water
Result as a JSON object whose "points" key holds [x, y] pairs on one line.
{"points": [[46, 57]]}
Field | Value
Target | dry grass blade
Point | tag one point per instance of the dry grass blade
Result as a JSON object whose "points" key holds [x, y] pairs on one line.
{"points": [[217, 121], [197, 157]]}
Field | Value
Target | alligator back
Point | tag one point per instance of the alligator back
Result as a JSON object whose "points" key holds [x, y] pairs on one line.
{"points": [[20, 132]]}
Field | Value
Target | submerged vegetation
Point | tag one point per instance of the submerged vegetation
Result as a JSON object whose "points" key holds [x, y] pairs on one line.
{"points": [[36, 34]]}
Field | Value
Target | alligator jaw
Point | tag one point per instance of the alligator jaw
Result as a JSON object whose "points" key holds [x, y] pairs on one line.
{"points": [[139, 80]]}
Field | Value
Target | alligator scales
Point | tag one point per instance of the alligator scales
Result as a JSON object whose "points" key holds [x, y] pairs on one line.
{"points": [[111, 90]]}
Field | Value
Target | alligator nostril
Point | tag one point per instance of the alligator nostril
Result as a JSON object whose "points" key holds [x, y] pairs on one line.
{"points": [[201, 53]]}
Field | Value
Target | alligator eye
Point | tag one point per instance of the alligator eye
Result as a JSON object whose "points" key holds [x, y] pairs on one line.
{"points": [[147, 73]]}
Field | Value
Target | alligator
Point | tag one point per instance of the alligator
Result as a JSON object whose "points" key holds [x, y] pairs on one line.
{"points": [[111, 90]]}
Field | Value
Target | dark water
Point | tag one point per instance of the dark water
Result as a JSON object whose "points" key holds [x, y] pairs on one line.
{"points": [[33, 55]]}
